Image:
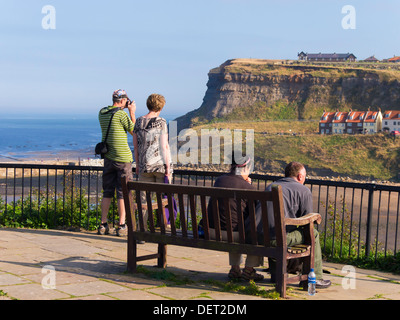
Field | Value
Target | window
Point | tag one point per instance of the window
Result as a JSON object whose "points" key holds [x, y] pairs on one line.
{"points": [[322, 124]]}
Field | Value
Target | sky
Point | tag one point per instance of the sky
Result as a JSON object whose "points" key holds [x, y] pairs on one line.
{"points": [[69, 61]]}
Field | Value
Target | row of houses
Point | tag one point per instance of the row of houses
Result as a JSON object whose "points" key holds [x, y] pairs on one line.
{"points": [[334, 57], [356, 122], [341, 57]]}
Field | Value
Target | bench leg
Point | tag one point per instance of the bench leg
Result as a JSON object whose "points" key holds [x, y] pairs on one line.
{"points": [[132, 254], [162, 256], [281, 276], [307, 265]]}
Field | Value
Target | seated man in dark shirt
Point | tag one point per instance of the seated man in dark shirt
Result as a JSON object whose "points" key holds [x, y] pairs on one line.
{"points": [[298, 202], [237, 178]]}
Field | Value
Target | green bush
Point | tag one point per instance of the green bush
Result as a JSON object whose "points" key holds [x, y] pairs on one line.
{"points": [[52, 211], [340, 243]]}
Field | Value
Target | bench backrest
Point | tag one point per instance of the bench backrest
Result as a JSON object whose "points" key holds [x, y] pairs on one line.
{"points": [[189, 198]]}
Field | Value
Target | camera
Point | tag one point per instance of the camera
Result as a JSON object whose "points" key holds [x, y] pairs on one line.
{"points": [[128, 103]]}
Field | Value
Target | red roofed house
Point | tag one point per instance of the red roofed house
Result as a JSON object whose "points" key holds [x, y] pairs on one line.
{"points": [[325, 124], [352, 122], [391, 121], [373, 122], [339, 122], [394, 60]]}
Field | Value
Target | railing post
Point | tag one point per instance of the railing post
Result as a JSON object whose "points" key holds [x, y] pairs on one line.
{"points": [[370, 188]]}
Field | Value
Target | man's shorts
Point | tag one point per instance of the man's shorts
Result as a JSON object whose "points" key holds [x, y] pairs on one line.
{"points": [[112, 174]]}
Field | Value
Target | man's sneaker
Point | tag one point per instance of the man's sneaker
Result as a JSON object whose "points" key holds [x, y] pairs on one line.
{"points": [[323, 284], [122, 231], [103, 229]]}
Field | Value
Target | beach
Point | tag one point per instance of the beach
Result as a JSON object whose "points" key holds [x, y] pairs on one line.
{"points": [[61, 157]]}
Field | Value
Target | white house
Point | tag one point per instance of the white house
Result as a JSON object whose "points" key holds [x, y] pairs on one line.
{"points": [[391, 121]]}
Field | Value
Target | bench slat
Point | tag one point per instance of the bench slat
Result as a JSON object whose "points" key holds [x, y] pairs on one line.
{"points": [[242, 239], [253, 226], [217, 223], [150, 214], [140, 210], [204, 214], [264, 210], [171, 213], [182, 215], [161, 213], [223, 246], [193, 216], [228, 220]]}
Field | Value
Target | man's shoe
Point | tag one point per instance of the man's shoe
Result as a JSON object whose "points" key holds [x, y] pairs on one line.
{"points": [[103, 229], [323, 284], [251, 274], [122, 231], [320, 284]]}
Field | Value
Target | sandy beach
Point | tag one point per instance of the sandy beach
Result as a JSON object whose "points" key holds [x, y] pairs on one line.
{"points": [[54, 157]]}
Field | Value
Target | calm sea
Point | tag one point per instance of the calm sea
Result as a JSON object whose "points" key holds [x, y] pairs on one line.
{"points": [[24, 137]]}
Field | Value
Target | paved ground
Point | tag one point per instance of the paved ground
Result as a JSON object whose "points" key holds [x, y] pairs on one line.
{"points": [[53, 265]]}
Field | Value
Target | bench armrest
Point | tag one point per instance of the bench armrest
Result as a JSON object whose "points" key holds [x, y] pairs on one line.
{"points": [[307, 219]]}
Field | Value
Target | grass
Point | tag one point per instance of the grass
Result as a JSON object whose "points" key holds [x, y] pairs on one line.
{"points": [[250, 288], [375, 157], [385, 72], [164, 275]]}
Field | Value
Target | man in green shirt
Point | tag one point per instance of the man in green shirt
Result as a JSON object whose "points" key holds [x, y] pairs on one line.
{"points": [[118, 160]]}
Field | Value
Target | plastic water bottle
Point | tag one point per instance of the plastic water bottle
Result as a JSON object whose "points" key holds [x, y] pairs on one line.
{"points": [[311, 283]]}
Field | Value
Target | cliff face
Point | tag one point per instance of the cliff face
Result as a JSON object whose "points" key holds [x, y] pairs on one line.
{"points": [[252, 89]]}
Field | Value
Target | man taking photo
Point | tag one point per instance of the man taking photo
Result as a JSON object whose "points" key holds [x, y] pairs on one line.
{"points": [[118, 160]]}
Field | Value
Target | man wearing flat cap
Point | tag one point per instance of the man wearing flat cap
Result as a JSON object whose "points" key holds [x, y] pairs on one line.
{"points": [[237, 178]]}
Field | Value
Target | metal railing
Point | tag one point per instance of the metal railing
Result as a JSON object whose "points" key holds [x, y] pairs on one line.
{"points": [[359, 219]]}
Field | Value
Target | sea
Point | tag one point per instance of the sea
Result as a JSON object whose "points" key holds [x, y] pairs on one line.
{"points": [[51, 137]]}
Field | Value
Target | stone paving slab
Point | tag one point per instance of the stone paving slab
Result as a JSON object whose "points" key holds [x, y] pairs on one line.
{"points": [[92, 267]]}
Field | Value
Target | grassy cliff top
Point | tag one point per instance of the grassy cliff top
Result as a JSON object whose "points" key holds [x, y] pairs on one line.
{"points": [[382, 71], [357, 156]]}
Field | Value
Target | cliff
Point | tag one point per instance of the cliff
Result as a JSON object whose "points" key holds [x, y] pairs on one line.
{"points": [[244, 89]]}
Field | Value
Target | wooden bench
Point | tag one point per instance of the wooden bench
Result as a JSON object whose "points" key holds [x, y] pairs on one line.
{"points": [[192, 200]]}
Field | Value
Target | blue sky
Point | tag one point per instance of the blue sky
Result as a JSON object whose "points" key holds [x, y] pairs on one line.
{"points": [[166, 47]]}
